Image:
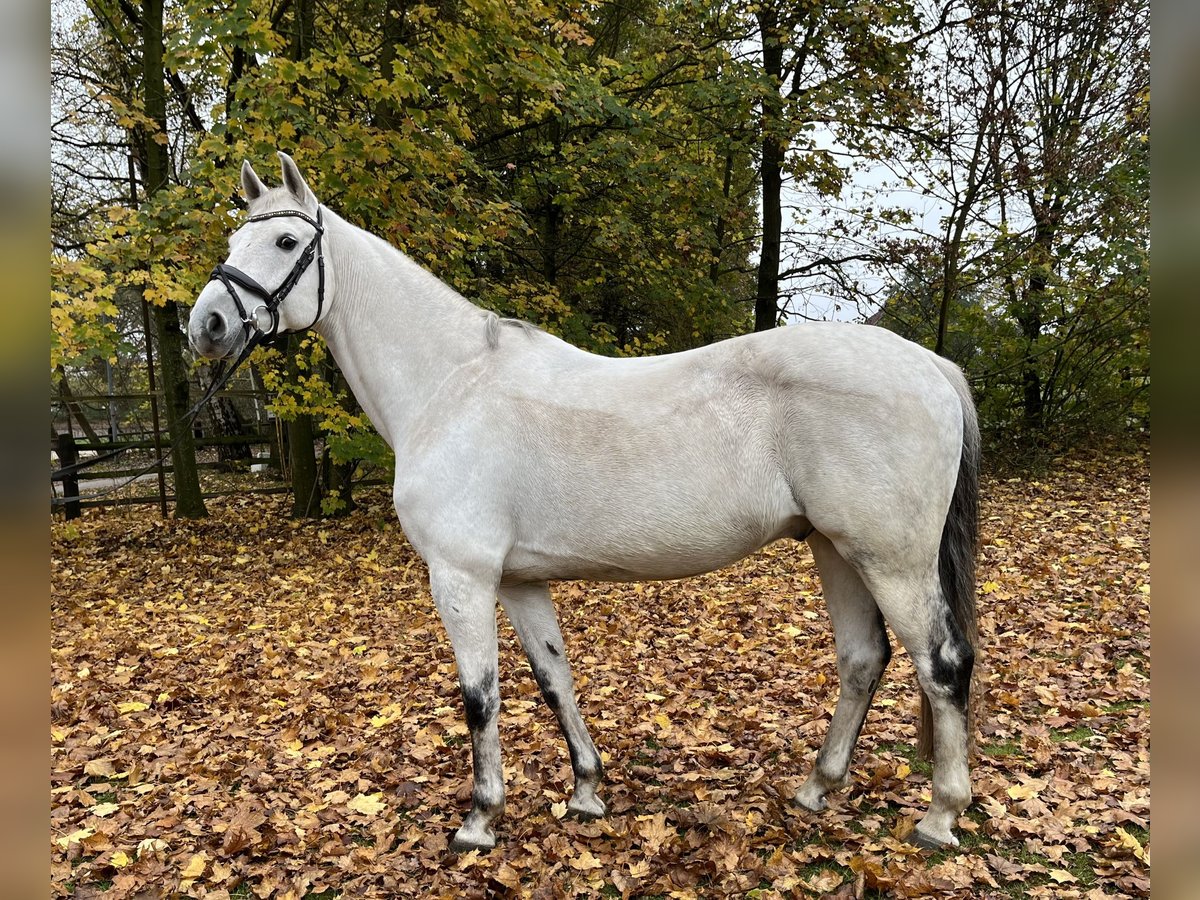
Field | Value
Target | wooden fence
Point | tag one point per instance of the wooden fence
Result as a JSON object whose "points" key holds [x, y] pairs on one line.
{"points": [[84, 461]]}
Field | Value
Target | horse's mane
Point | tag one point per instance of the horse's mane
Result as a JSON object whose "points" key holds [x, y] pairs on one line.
{"points": [[492, 323]]}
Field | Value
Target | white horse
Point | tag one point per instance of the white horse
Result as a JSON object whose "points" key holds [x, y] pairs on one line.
{"points": [[522, 459]]}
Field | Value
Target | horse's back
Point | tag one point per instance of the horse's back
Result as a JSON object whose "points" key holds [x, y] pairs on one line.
{"points": [[666, 466]]}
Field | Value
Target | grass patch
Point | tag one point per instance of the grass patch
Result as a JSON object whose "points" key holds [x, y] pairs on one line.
{"points": [[1001, 749], [1124, 706], [1079, 734], [909, 752]]}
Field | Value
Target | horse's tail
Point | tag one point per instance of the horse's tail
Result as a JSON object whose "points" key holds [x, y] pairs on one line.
{"points": [[960, 542]]}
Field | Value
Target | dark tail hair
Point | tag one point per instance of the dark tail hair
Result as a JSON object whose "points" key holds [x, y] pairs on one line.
{"points": [[957, 554]]}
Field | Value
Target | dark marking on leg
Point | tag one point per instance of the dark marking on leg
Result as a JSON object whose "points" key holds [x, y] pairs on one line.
{"points": [[552, 648], [545, 684], [481, 701], [951, 664], [885, 657], [486, 803], [585, 764]]}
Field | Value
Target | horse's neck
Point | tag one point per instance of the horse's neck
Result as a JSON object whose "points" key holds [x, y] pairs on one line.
{"points": [[396, 331]]}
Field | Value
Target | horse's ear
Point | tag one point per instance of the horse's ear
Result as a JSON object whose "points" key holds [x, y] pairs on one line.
{"points": [[252, 186], [294, 181]]}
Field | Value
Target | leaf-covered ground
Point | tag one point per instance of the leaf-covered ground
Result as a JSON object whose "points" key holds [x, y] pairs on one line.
{"points": [[252, 707]]}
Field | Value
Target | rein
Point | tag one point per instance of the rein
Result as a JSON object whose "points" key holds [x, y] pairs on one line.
{"points": [[260, 330]]}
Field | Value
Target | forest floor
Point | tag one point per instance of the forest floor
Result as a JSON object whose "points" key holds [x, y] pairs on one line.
{"points": [[249, 706]]}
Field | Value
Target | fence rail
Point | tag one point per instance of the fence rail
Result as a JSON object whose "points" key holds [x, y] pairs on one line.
{"points": [[76, 444]]}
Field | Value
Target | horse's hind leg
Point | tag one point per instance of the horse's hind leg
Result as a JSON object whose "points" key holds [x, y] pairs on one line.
{"points": [[531, 611], [863, 652], [913, 604]]}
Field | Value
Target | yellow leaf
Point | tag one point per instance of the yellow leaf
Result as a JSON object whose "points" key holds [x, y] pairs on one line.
{"points": [[195, 868], [120, 859], [1132, 844], [104, 809], [75, 837], [387, 715], [903, 770], [151, 846], [990, 586], [132, 706], [662, 721], [585, 861], [558, 810], [101, 768], [639, 869], [368, 804], [1026, 791]]}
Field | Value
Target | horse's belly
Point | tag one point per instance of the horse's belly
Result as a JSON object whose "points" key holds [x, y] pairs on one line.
{"points": [[642, 554]]}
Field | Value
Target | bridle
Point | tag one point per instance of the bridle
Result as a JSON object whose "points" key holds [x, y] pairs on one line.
{"points": [[262, 322]]}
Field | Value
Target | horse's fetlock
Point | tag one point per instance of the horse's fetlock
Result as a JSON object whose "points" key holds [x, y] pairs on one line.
{"points": [[489, 804]]}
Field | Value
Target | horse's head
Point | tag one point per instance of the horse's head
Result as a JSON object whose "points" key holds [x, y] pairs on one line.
{"points": [[274, 278]]}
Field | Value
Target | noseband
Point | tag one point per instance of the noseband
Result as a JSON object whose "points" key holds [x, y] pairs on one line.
{"points": [[262, 322]]}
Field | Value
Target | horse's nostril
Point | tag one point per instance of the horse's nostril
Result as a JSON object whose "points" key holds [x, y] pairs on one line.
{"points": [[216, 325]]}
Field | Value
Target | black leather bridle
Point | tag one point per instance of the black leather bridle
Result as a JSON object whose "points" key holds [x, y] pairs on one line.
{"points": [[262, 322]]}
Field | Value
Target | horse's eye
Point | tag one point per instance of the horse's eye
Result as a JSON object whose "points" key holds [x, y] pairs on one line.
{"points": [[286, 242]]}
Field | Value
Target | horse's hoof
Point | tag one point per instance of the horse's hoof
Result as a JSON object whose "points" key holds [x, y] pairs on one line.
{"points": [[585, 810], [810, 800], [465, 842], [931, 842]]}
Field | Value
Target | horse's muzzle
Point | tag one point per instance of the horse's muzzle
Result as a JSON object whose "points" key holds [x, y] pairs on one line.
{"points": [[213, 332]]}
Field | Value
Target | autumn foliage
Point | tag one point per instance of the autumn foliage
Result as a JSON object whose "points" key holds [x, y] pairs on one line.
{"points": [[249, 706]]}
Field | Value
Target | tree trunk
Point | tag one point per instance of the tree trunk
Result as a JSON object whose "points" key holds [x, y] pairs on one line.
{"points": [[714, 268], [301, 431], [301, 440], [189, 504], [1030, 317], [766, 302], [73, 407], [552, 219]]}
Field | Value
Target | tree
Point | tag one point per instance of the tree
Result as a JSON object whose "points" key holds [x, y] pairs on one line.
{"points": [[840, 67], [1075, 78], [169, 336], [1033, 145], [130, 70]]}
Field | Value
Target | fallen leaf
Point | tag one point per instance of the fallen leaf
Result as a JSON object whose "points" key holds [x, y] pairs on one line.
{"points": [[367, 804], [196, 866]]}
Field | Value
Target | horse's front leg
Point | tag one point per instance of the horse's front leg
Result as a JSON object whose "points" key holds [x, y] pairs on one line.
{"points": [[467, 604], [531, 611]]}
